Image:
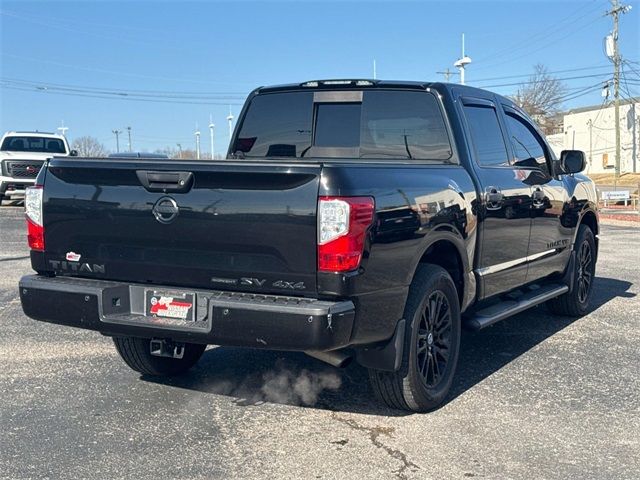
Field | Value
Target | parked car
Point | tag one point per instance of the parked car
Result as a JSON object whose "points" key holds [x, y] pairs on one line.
{"points": [[21, 157], [352, 219]]}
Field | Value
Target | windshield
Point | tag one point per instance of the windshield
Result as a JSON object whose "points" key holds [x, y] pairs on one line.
{"points": [[380, 124], [33, 144]]}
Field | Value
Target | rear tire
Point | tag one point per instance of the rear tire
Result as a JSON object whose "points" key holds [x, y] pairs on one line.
{"points": [[136, 353], [431, 345], [576, 302]]}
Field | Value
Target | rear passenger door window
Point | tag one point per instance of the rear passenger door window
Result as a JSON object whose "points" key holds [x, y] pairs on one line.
{"points": [[486, 135], [403, 124]]}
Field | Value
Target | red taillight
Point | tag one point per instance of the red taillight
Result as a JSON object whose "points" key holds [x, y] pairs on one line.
{"points": [[33, 212], [35, 236], [342, 230]]}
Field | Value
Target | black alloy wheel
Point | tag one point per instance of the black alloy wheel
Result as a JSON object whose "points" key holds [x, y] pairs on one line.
{"points": [[585, 271], [434, 339]]}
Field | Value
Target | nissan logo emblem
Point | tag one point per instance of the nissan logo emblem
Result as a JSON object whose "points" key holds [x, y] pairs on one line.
{"points": [[165, 210]]}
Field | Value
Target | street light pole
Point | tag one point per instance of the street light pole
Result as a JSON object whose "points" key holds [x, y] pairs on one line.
{"points": [[211, 129], [197, 134], [129, 131], [230, 120], [117, 133]]}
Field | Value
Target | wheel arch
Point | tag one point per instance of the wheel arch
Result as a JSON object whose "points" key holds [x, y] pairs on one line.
{"points": [[589, 218], [446, 248]]}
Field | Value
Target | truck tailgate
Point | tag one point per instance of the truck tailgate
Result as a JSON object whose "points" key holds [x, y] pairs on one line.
{"points": [[224, 225]]}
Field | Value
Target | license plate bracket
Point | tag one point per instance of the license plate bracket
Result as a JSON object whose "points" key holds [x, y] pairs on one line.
{"points": [[170, 304]]}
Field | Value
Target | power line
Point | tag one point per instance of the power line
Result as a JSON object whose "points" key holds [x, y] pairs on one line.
{"points": [[540, 32], [120, 92], [121, 73], [542, 81], [114, 97], [581, 93], [544, 34], [61, 20], [54, 25], [598, 67], [627, 63], [511, 58]]}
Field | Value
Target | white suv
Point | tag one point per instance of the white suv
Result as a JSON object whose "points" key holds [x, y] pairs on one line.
{"points": [[21, 157]]}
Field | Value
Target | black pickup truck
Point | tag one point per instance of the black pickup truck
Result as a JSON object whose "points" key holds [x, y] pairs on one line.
{"points": [[352, 219]]}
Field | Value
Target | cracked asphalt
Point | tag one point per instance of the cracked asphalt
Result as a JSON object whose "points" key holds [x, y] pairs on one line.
{"points": [[535, 396]]}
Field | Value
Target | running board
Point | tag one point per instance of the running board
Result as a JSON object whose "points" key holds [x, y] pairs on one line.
{"points": [[488, 316]]}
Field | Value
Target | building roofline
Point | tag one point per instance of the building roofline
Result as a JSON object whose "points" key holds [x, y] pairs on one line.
{"points": [[624, 101]]}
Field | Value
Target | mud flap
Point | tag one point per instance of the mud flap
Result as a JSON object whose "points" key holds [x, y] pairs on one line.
{"points": [[388, 357]]}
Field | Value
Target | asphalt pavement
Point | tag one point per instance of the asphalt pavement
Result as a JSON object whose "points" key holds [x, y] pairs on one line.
{"points": [[535, 396]]}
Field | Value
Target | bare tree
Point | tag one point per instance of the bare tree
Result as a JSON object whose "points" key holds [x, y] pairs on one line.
{"points": [[541, 97], [89, 147], [175, 153]]}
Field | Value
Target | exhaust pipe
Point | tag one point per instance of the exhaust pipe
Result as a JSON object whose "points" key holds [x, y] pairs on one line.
{"points": [[336, 358]]}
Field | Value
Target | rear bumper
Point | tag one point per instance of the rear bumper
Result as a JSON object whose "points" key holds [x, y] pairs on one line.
{"points": [[222, 318], [15, 187]]}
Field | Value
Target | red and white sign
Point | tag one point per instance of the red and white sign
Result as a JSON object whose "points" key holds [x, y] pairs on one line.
{"points": [[73, 257], [169, 307]]}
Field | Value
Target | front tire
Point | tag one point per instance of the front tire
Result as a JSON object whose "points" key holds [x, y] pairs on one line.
{"points": [[576, 302], [136, 353], [431, 345]]}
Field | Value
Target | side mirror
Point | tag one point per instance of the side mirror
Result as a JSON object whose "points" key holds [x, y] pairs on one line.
{"points": [[73, 153], [572, 161]]}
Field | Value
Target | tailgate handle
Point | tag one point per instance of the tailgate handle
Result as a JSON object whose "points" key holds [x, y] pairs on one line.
{"points": [[165, 181]]}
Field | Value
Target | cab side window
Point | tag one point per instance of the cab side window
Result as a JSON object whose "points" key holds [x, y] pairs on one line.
{"points": [[527, 147], [486, 135]]}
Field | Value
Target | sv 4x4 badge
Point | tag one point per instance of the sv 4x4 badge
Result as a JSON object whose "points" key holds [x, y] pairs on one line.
{"points": [[257, 282]]}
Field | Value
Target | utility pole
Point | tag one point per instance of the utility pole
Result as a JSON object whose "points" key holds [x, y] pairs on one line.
{"points": [[117, 133], [590, 125], [447, 74], [129, 131], [197, 134], [179, 145], [211, 128], [616, 10], [62, 129], [375, 73]]}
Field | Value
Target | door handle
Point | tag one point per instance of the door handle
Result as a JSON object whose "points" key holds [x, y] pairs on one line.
{"points": [[159, 181], [493, 198]]}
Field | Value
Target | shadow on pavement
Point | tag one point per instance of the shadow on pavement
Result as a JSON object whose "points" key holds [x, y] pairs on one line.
{"points": [[252, 376], [11, 259], [12, 203]]}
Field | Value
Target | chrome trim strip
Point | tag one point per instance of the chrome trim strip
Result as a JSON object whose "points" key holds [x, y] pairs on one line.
{"points": [[512, 263]]}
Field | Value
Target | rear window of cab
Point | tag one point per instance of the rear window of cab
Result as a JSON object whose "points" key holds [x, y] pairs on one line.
{"points": [[33, 144], [371, 124]]}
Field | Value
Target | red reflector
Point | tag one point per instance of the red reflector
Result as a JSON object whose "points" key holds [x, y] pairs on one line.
{"points": [[35, 236], [345, 252]]}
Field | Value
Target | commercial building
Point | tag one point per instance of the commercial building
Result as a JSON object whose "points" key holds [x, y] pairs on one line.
{"points": [[592, 129]]}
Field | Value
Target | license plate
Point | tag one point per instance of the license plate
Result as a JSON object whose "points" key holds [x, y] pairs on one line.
{"points": [[170, 304]]}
